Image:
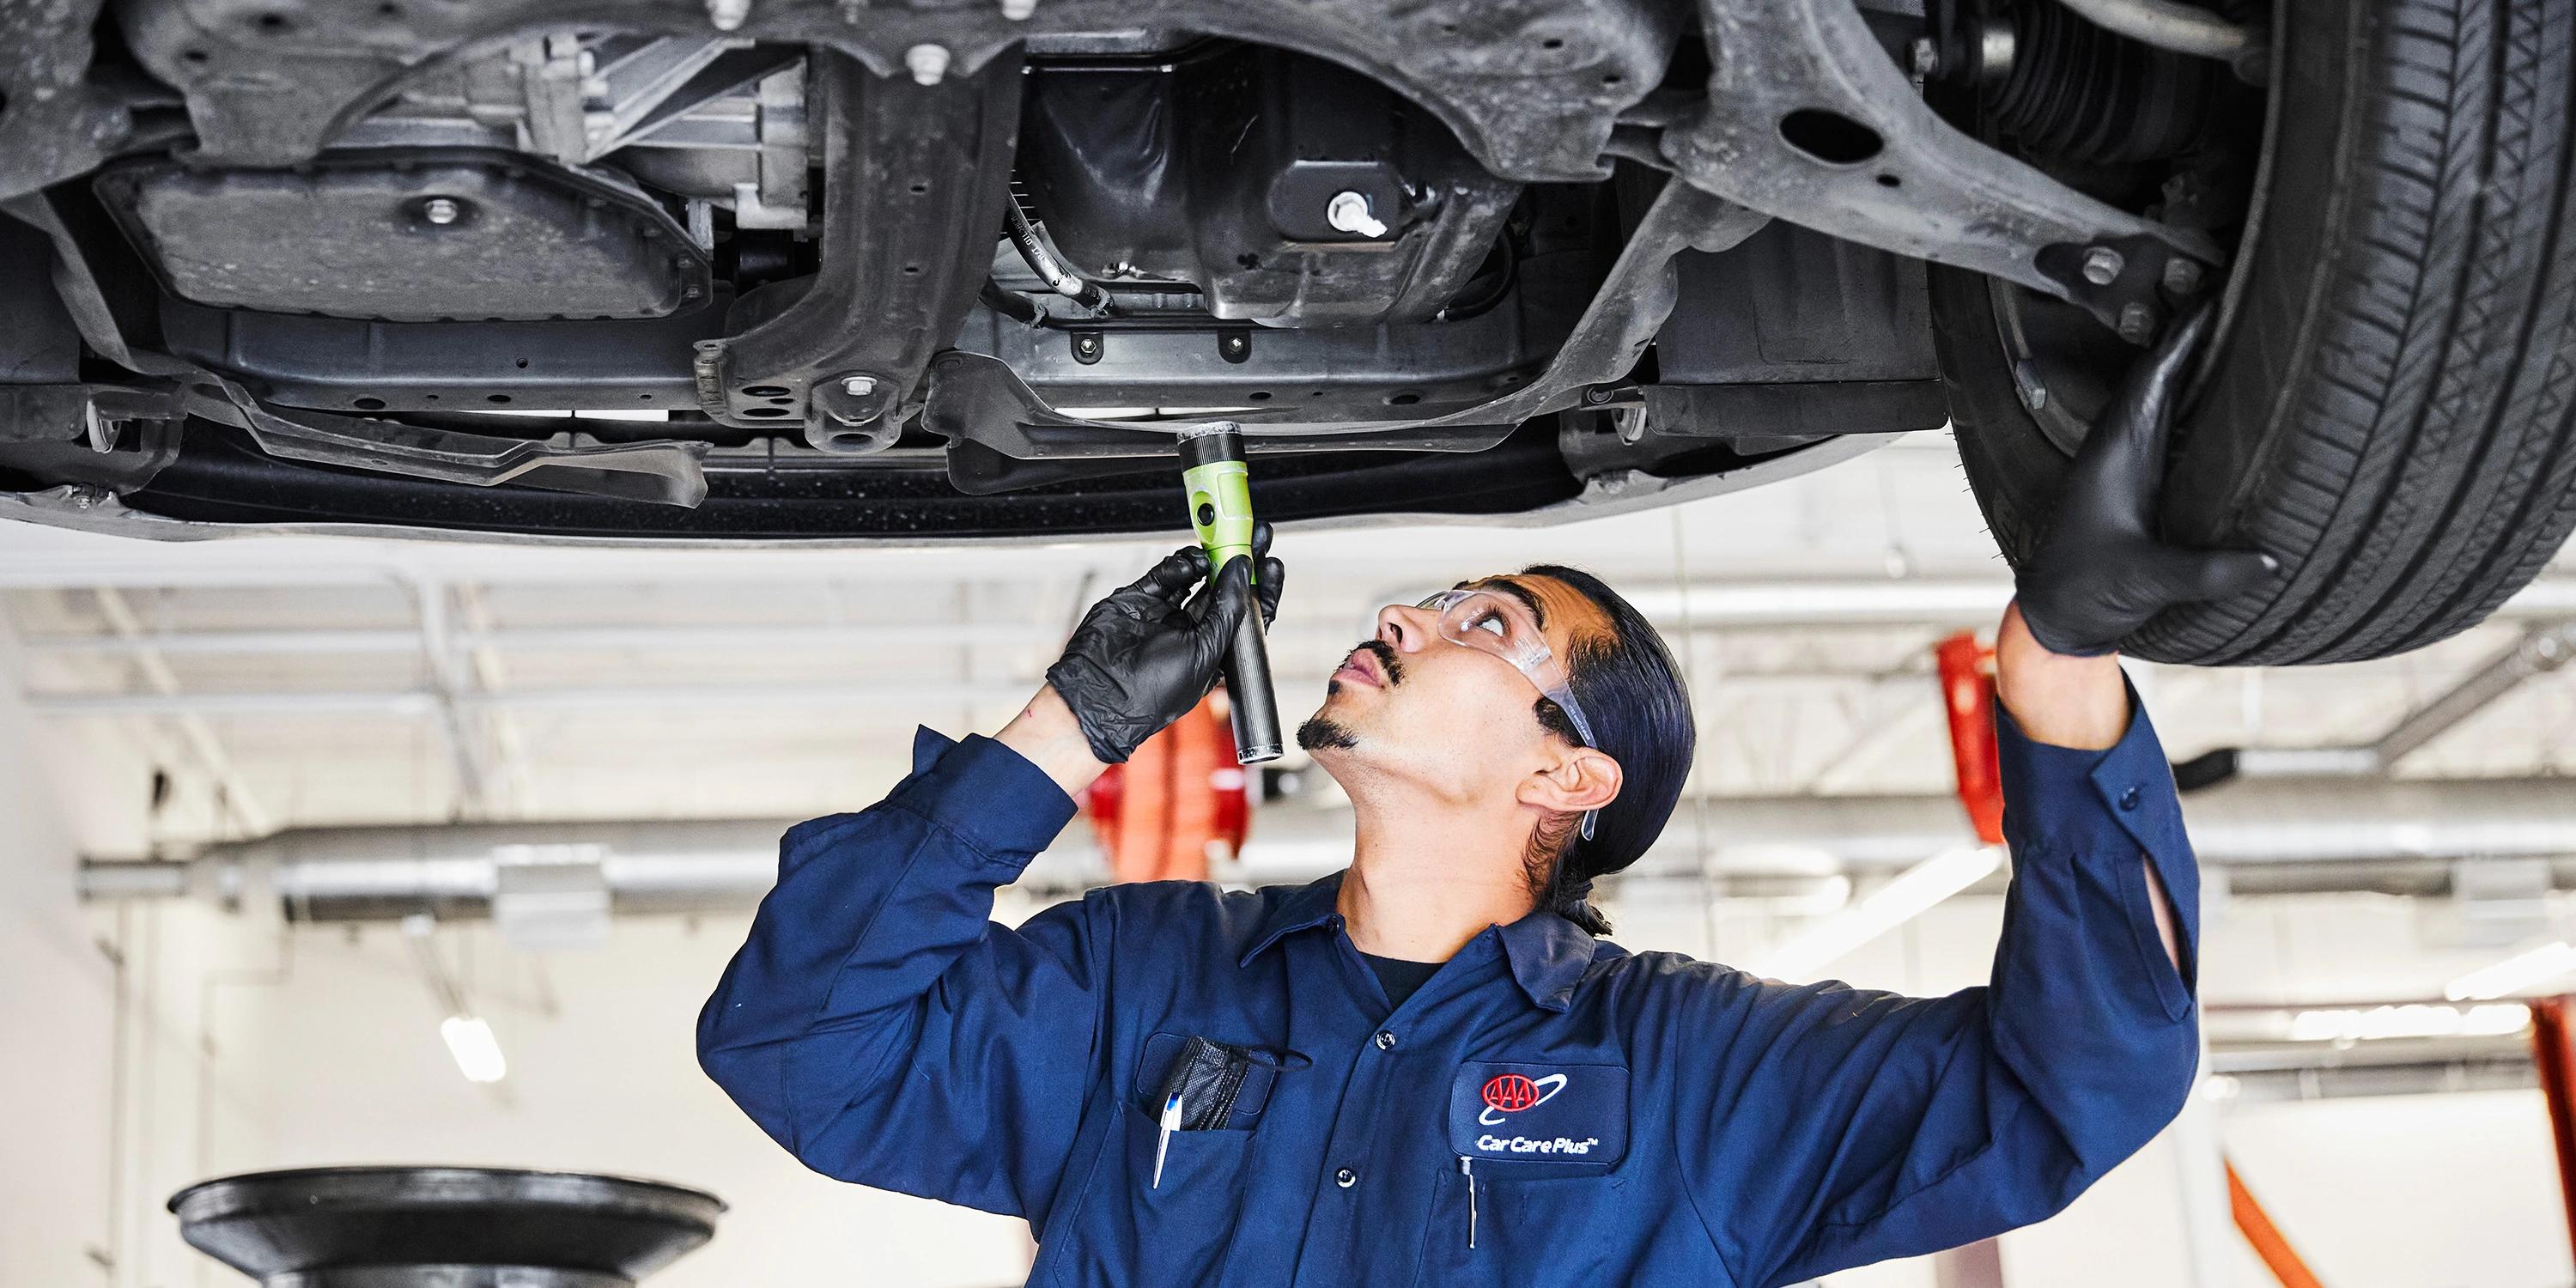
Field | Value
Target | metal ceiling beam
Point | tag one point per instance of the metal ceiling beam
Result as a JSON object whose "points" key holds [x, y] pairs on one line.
{"points": [[413, 704], [580, 639], [1927, 602], [491, 675], [457, 725], [233, 791], [2542, 649]]}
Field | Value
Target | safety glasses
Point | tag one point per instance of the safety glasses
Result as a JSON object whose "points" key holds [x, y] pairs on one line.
{"points": [[1490, 622]]}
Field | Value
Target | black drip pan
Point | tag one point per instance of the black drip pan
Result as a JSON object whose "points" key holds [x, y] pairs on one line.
{"points": [[442, 1227]]}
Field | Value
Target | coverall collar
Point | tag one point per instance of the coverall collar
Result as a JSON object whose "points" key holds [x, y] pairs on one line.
{"points": [[1547, 953]]}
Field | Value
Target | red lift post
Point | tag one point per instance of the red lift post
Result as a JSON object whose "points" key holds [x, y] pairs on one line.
{"points": [[1968, 696], [2556, 1059], [1156, 814]]}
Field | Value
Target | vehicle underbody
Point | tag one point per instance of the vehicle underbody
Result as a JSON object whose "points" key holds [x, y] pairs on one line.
{"points": [[807, 270]]}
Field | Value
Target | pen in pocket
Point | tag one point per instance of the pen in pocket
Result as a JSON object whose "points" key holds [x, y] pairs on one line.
{"points": [[1467, 1168], [1163, 1143]]}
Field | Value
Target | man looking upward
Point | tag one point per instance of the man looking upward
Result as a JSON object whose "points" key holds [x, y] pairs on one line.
{"points": [[1429, 1068]]}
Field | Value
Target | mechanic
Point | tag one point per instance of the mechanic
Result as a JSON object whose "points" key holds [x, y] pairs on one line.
{"points": [[1427, 1068]]}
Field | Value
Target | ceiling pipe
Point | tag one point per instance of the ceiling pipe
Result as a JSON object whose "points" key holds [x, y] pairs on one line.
{"points": [[2270, 836]]}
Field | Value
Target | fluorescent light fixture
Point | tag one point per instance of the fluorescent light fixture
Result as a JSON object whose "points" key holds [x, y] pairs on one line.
{"points": [[1891, 905], [2513, 974], [2508, 1017], [2417, 1021], [477, 1052]]}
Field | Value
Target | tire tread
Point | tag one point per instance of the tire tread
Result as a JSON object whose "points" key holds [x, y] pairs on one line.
{"points": [[2414, 389]]}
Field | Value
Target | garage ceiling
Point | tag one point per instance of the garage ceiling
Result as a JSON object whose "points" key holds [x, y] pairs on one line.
{"points": [[305, 681]]}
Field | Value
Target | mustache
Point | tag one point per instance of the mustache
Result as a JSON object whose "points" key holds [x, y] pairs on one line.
{"points": [[1388, 661]]}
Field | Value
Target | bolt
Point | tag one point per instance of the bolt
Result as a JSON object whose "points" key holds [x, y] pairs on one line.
{"points": [[927, 63], [1631, 424], [1019, 10], [1994, 52], [2137, 323], [1596, 396], [858, 386], [728, 14], [2102, 265], [1349, 212], [440, 210], [1926, 56], [2182, 276], [2034, 394]]}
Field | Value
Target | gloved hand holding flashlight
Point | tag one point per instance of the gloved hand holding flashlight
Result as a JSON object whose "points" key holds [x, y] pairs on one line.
{"points": [[2101, 573], [1150, 651]]}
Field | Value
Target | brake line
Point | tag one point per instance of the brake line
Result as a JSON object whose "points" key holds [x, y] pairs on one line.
{"points": [[1033, 251]]}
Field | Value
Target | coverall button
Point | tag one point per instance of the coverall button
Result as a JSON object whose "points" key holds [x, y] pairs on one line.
{"points": [[2129, 799], [1385, 1040], [1346, 1178]]}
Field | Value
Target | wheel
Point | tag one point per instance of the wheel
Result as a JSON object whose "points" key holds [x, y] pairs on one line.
{"points": [[2387, 407]]}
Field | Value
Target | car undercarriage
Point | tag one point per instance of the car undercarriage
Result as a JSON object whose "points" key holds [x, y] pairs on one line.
{"points": [[836, 244], [794, 270]]}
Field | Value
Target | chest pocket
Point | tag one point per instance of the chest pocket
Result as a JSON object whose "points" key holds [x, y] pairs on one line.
{"points": [[1130, 1228], [1532, 1182]]}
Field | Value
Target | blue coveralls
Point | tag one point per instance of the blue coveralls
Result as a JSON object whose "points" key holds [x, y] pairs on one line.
{"points": [[1548, 1109]]}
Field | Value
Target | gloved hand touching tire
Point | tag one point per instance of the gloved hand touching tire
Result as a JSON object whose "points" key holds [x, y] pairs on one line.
{"points": [[1150, 651], [2101, 573]]}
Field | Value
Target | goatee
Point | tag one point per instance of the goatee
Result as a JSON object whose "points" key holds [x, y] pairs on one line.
{"points": [[1320, 733]]}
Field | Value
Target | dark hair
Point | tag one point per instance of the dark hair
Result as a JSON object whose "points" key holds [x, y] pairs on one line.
{"points": [[1632, 694]]}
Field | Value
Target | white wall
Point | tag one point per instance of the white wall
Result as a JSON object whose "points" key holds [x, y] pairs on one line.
{"points": [[603, 1077], [336, 1059], [56, 990], [2447, 1191], [250, 1046]]}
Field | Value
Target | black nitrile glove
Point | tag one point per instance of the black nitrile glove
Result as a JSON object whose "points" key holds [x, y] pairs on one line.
{"points": [[2101, 573], [1143, 657]]}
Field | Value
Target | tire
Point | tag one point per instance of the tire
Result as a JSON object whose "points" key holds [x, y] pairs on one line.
{"points": [[2388, 411]]}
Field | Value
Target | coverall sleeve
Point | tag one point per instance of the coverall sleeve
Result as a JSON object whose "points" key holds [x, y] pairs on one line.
{"points": [[880, 1026], [1836, 1127]]}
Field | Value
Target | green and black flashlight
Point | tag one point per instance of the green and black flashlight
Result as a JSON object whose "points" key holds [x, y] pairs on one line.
{"points": [[1219, 489]]}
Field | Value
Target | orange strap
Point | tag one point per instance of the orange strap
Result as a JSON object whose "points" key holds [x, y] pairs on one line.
{"points": [[2275, 1251]]}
